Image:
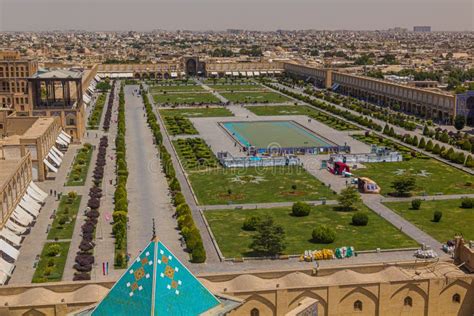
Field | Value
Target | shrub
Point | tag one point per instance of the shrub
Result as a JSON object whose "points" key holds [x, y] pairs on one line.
{"points": [[183, 209], [63, 220], [178, 199], [323, 234], [198, 254], [469, 162], [174, 185], [119, 216], [53, 250], [72, 195], [119, 259], [416, 204], [250, 223], [437, 216], [467, 202], [360, 219], [300, 209]]}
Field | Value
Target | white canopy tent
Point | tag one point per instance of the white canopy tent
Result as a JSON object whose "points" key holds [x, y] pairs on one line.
{"points": [[34, 195], [3, 278], [11, 237], [256, 73], [55, 160], [57, 151], [60, 141], [52, 153], [49, 165], [97, 78], [228, 73], [29, 208], [38, 189], [6, 267], [64, 138], [22, 217], [68, 137], [22, 206], [9, 250], [17, 229], [31, 202]]}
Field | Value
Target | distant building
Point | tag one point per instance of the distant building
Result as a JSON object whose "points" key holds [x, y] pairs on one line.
{"points": [[14, 72], [422, 29]]}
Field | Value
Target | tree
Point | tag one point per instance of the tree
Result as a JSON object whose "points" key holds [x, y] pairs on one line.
{"points": [[300, 209], [348, 199], [459, 122], [269, 239], [416, 204], [422, 143], [469, 162], [437, 216], [250, 223], [404, 185], [323, 234], [429, 146], [360, 219]]}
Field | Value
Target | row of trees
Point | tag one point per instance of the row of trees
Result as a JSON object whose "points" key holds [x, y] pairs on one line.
{"points": [[120, 214], [186, 223], [360, 119], [85, 259], [442, 151]]}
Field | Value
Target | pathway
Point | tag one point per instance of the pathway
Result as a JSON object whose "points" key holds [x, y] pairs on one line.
{"points": [[252, 206], [147, 186]]}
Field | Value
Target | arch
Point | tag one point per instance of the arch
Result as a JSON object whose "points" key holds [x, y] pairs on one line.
{"points": [[411, 287], [34, 312], [137, 75], [363, 295], [408, 301], [166, 75], [256, 301], [254, 312], [308, 293], [191, 67], [456, 298], [458, 282], [358, 306]]}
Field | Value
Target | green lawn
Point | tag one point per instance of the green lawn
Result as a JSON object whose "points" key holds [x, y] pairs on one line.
{"points": [[331, 121], [67, 210], [179, 88], [431, 176], [256, 97], [238, 87], [96, 114], [78, 173], [50, 269], [198, 112], [185, 98], [233, 241], [455, 220], [256, 185]]}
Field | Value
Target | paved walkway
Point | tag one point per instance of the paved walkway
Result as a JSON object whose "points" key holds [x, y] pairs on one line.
{"points": [[252, 206], [427, 198], [147, 186], [214, 92]]}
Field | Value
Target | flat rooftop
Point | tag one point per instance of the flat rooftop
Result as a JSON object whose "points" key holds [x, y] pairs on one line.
{"points": [[35, 130], [7, 170]]}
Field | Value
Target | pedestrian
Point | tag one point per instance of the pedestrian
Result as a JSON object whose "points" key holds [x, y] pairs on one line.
{"points": [[54, 192]]}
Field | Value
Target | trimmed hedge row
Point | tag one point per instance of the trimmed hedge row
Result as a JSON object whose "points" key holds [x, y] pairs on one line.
{"points": [[360, 119], [94, 118], [448, 154], [120, 214], [186, 223], [179, 125]]}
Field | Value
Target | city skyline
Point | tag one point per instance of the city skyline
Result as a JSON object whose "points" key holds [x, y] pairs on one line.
{"points": [[265, 15]]}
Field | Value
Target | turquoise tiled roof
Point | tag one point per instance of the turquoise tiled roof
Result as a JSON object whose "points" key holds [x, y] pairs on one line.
{"points": [[157, 283]]}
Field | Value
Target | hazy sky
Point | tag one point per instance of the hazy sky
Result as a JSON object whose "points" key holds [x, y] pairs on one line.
{"points": [[22, 15]]}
